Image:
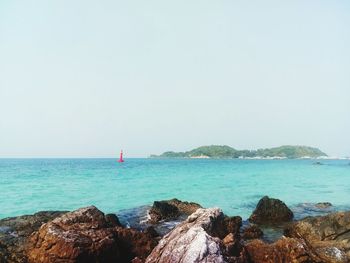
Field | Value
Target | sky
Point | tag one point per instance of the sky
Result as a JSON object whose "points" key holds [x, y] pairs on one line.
{"points": [[88, 78]]}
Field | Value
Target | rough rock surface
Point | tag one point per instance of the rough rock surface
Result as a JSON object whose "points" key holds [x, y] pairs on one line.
{"points": [[14, 232], [271, 211], [171, 209], [85, 235], [233, 246], [285, 250], [194, 240], [133, 243], [327, 236], [252, 232]]}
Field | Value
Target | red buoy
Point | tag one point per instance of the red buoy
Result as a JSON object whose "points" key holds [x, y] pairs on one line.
{"points": [[121, 157]]}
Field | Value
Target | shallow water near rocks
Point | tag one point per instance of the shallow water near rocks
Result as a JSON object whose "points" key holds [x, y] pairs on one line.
{"points": [[31, 185], [138, 218]]}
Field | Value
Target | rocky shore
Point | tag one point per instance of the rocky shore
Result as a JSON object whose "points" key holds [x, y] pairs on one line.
{"points": [[201, 235]]}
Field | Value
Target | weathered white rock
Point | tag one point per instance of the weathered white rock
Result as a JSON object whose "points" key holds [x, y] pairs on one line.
{"points": [[191, 242]]}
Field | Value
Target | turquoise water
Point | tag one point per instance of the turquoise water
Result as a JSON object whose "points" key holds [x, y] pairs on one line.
{"points": [[30, 185]]}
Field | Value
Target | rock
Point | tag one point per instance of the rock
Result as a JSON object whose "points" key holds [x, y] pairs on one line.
{"points": [[87, 235], [194, 240], [285, 250], [252, 232], [133, 243], [226, 225], [162, 210], [151, 231], [323, 205], [14, 232], [327, 236], [184, 207], [232, 245], [171, 209], [271, 211], [79, 236], [112, 220]]}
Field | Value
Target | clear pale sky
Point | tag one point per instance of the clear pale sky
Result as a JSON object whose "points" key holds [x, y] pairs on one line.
{"points": [[88, 78]]}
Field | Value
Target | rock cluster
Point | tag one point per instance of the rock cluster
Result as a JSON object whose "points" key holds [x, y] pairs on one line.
{"points": [[207, 235], [84, 235], [328, 236]]}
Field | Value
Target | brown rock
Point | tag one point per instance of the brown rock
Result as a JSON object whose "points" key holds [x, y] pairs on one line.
{"points": [[271, 211], [184, 207], [252, 232], [14, 232], [133, 243], [79, 236], [225, 225], [171, 209], [151, 231], [232, 224], [112, 220], [162, 210], [327, 236], [232, 245], [285, 250], [85, 235]]}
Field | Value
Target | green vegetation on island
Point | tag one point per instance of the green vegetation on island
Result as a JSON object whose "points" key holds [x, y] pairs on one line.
{"points": [[224, 151]]}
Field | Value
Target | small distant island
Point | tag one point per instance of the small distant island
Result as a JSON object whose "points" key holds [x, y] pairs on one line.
{"points": [[224, 151]]}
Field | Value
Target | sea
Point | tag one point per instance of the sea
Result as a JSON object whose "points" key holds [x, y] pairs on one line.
{"points": [[129, 188]]}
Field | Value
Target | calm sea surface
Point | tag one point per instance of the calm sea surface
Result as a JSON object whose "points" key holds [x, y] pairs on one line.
{"points": [[31, 185]]}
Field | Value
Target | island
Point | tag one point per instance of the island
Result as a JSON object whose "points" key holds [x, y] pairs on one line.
{"points": [[224, 151]]}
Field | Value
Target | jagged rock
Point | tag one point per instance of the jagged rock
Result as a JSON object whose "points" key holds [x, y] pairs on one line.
{"points": [[285, 250], [79, 236], [271, 211], [14, 232], [171, 209], [252, 232], [193, 241], [86, 235], [327, 236]]}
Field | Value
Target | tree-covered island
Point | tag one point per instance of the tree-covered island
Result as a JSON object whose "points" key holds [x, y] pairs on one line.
{"points": [[224, 151]]}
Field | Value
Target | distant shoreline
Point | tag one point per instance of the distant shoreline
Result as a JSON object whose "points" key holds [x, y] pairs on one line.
{"points": [[252, 158], [224, 151]]}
